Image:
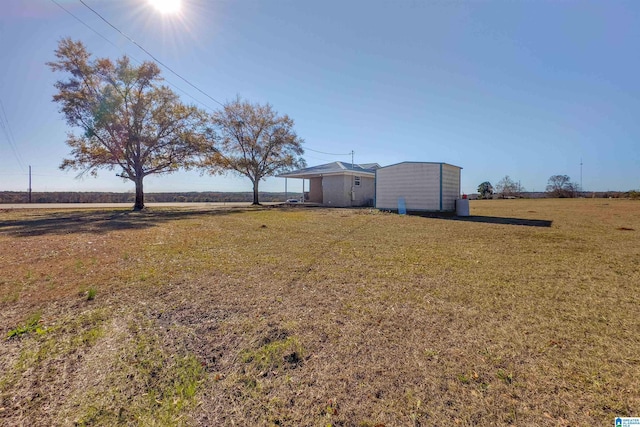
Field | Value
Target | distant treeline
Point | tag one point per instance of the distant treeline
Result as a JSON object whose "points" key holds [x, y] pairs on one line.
{"points": [[212, 196], [100, 197], [582, 194]]}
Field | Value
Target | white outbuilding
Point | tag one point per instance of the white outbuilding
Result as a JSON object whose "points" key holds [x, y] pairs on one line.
{"points": [[417, 186]]}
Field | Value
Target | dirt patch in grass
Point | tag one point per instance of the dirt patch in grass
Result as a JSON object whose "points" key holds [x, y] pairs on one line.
{"points": [[321, 317]]}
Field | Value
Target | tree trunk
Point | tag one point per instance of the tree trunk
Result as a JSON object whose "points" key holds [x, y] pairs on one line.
{"points": [[255, 192], [139, 204]]}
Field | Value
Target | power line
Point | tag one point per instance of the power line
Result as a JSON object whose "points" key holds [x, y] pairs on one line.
{"points": [[6, 129], [328, 154], [316, 158], [151, 55], [132, 57], [161, 63], [87, 25]]}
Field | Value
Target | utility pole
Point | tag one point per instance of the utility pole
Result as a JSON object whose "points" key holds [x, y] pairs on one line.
{"points": [[352, 159], [580, 174], [29, 183]]}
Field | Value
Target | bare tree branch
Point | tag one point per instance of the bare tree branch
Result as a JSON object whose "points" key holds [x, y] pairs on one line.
{"points": [[254, 141]]}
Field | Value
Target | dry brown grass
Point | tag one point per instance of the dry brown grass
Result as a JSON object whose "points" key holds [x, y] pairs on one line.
{"points": [[322, 317]]}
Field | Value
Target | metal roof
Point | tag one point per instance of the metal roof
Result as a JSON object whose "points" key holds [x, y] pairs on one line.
{"points": [[427, 163], [335, 168]]}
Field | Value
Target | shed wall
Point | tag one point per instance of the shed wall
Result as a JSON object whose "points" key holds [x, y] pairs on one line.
{"points": [[450, 187], [417, 183]]}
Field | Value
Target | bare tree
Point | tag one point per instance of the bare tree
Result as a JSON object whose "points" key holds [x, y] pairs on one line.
{"points": [[561, 186], [506, 187], [254, 141], [128, 120]]}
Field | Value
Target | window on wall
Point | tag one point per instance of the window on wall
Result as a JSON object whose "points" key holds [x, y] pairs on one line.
{"points": [[356, 181]]}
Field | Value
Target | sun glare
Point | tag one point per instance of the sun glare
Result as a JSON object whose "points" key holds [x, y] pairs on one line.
{"points": [[166, 6]]}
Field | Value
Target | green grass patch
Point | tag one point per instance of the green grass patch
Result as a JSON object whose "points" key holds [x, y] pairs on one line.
{"points": [[32, 324], [274, 355], [146, 384], [42, 352]]}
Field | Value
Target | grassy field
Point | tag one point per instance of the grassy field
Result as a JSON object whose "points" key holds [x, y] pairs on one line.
{"points": [[527, 315]]}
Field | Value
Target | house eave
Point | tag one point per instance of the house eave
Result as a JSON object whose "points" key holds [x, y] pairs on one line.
{"points": [[320, 175]]}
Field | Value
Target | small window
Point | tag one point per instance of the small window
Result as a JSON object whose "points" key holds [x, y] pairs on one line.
{"points": [[356, 181]]}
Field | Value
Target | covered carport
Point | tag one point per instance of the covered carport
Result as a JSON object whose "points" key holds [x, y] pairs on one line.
{"points": [[337, 184]]}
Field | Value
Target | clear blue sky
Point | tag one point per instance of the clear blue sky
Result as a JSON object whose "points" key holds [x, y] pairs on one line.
{"points": [[519, 88]]}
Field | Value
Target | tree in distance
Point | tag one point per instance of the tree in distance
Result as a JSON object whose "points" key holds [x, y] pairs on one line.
{"points": [[508, 188], [485, 190], [561, 186], [253, 141], [129, 121]]}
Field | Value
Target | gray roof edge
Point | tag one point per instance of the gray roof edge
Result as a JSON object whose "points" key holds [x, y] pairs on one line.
{"points": [[373, 166], [298, 174], [361, 166], [427, 163], [332, 168]]}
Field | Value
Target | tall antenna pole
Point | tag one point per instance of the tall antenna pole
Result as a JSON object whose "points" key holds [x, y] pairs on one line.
{"points": [[351, 159], [580, 173], [29, 183]]}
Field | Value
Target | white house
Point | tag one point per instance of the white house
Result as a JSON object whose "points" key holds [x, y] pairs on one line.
{"points": [[419, 186], [339, 184]]}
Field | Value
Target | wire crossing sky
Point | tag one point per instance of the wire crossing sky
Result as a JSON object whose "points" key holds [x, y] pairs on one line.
{"points": [[525, 89], [6, 131]]}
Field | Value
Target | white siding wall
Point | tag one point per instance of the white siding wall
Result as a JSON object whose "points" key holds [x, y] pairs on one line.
{"points": [[450, 187], [417, 183]]}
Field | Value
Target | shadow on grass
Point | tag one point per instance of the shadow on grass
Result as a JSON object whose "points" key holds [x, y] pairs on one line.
{"points": [[486, 219], [501, 220], [102, 221]]}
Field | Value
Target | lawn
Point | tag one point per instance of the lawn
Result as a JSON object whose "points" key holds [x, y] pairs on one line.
{"points": [[528, 314]]}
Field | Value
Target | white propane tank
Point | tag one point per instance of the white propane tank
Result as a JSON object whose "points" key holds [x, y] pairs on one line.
{"points": [[462, 206]]}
